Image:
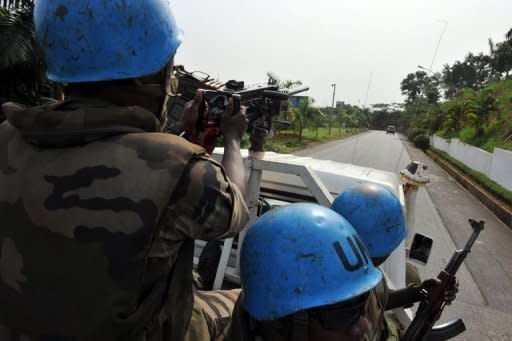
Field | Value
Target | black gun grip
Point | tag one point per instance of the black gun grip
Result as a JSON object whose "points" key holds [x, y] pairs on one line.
{"points": [[236, 104]]}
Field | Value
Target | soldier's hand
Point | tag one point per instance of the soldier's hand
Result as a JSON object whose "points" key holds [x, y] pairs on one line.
{"points": [[192, 113], [233, 126], [450, 291]]}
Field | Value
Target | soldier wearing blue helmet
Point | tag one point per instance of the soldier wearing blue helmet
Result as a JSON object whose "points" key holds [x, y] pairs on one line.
{"points": [[99, 209], [376, 214], [305, 276]]}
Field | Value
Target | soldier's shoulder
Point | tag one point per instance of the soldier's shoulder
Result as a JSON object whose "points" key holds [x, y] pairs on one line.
{"points": [[162, 140]]}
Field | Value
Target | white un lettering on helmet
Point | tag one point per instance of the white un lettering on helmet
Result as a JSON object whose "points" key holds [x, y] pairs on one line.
{"points": [[356, 248]]}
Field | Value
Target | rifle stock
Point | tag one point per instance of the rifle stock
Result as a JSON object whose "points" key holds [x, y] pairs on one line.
{"points": [[430, 309]]}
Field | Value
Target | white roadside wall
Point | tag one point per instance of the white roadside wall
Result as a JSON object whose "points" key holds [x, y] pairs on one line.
{"points": [[501, 168], [496, 166]]}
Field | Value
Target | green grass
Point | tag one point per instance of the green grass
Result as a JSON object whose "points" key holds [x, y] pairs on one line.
{"points": [[491, 186], [287, 141], [285, 147], [336, 133]]}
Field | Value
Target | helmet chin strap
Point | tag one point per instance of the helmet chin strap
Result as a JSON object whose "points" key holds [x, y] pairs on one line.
{"points": [[167, 93], [158, 87], [162, 115]]}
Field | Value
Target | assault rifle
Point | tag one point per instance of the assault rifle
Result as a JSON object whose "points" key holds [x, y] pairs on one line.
{"points": [[430, 309]]}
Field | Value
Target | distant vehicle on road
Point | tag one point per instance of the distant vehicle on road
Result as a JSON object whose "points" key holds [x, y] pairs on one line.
{"points": [[391, 130]]}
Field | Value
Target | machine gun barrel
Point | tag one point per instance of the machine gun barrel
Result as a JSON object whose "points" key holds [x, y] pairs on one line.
{"points": [[297, 90], [272, 92]]}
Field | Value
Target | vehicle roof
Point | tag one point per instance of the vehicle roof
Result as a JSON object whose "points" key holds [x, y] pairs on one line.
{"points": [[336, 176]]}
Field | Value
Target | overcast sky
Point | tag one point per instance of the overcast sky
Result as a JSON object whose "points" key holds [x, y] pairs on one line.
{"points": [[335, 41]]}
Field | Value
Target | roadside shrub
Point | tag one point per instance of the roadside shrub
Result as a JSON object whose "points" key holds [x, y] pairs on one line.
{"points": [[415, 132], [490, 144], [422, 141], [468, 134], [443, 133]]}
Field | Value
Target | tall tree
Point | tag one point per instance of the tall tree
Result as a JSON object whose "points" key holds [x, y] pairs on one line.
{"points": [[318, 119], [501, 57], [474, 72], [419, 84], [307, 116], [412, 85], [341, 117], [299, 115], [482, 108]]}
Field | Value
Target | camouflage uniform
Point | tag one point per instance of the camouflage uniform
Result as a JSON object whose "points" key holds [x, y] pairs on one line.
{"points": [[98, 220], [375, 311], [242, 327], [211, 314], [382, 325]]}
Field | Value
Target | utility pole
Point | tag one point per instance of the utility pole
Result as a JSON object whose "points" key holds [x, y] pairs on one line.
{"points": [[333, 85], [367, 90]]}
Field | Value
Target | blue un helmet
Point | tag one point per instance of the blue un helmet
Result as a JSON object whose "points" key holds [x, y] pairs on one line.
{"points": [[302, 256], [90, 41], [376, 215]]}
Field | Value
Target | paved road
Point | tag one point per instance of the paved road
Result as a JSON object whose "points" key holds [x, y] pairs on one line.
{"points": [[484, 301]]}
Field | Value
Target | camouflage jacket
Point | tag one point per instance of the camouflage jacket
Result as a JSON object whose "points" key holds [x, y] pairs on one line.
{"points": [[98, 214], [211, 314], [243, 327], [375, 311]]}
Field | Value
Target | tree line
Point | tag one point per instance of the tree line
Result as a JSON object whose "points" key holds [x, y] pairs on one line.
{"points": [[308, 116], [469, 99]]}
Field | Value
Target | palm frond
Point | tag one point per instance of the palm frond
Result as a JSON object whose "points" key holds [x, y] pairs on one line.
{"points": [[22, 69], [14, 4], [17, 43]]}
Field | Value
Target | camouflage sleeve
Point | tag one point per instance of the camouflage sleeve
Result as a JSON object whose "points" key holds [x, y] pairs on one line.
{"points": [[205, 205], [211, 314]]}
